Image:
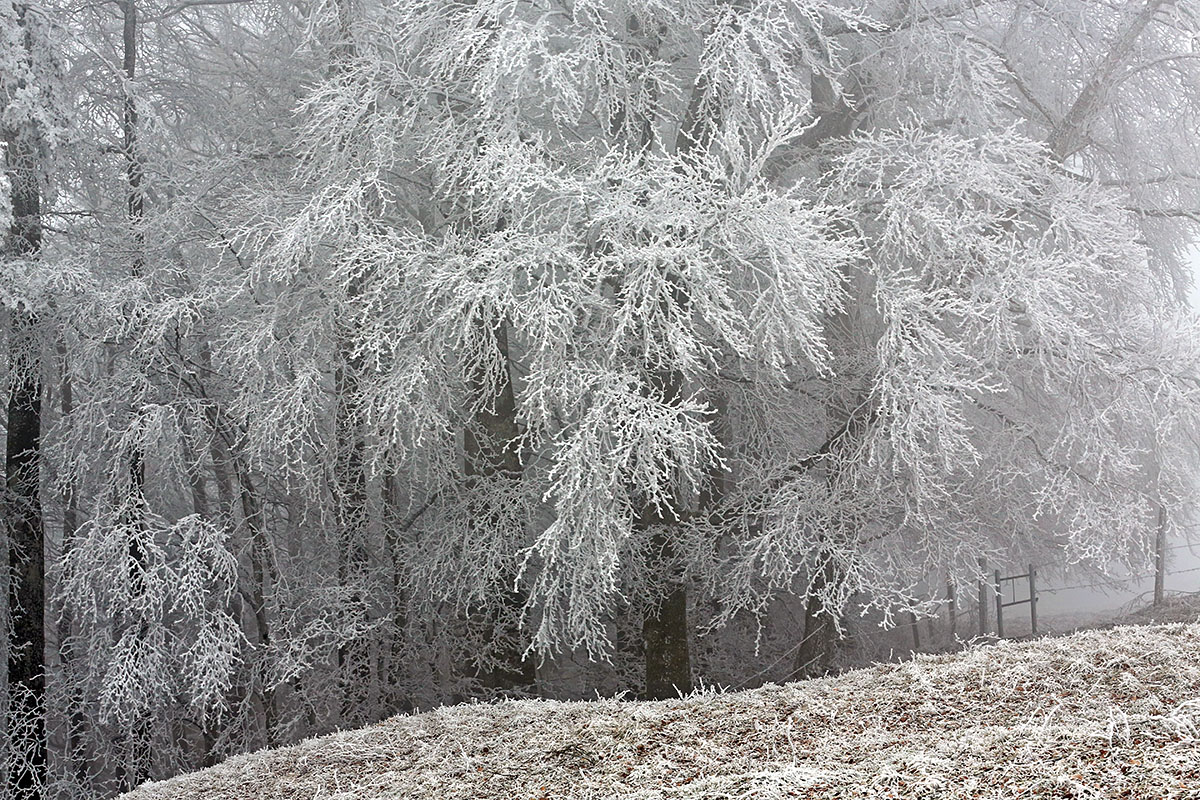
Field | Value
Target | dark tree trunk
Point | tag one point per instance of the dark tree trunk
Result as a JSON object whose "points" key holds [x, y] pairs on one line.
{"points": [[68, 653], [819, 645], [665, 628], [135, 769], [227, 466], [23, 511], [263, 578], [492, 451], [27, 602], [353, 657], [395, 525], [235, 488], [134, 173]]}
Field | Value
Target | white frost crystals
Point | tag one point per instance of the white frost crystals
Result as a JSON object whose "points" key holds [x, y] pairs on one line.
{"points": [[478, 348], [609, 215], [1095, 714], [166, 587]]}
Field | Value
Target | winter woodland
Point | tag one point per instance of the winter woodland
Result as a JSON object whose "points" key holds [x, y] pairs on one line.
{"points": [[361, 356]]}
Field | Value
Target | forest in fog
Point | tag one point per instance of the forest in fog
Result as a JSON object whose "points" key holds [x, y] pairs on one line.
{"points": [[361, 356]]}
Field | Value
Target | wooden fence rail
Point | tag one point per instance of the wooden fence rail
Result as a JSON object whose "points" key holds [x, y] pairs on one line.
{"points": [[1031, 575]]}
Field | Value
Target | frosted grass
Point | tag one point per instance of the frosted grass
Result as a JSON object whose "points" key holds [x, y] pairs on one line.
{"points": [[1098, 714]]}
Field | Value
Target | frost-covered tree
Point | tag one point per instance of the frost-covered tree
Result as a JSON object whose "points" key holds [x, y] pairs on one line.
{"points": [[1017, 357], [896, 266], [163, 585], [452, 344], [576, 229], [30, 124]]}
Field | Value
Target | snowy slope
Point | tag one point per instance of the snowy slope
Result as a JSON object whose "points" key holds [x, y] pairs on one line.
{"points": [[1099, 714]]}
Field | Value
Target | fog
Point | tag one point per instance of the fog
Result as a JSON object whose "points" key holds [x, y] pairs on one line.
{"points": [[1064, 595]]}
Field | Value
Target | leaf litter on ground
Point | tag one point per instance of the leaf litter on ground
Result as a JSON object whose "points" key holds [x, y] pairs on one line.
{"points": [[1097, 714]]}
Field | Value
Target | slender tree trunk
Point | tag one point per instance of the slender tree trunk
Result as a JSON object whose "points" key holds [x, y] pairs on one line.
{"points": [[76, 719], [395, 525], [711, 497], [134, 172], [492, 452], [818, 648], [352, 506], [226, 499], [230, 469], [350, 489], [351, 503], [23, 511], [66, 406], [196, 478], [135, 769], [263, 577]]}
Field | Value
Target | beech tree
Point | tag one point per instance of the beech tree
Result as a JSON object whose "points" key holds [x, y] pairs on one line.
{"points": [[992, 396], [634, 215], [30, 124], [399, 353], [599, 233]]}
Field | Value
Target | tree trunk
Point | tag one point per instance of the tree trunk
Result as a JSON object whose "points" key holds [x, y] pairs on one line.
{"points": [[351, 503], [23, 511], [135, 770], [491, 448], [350, 479], [26, 650], [262, 578], [1160, 556], [665, 626], [230, 468], [76, 719], [395, 525], [26, 562], [815, 655]]}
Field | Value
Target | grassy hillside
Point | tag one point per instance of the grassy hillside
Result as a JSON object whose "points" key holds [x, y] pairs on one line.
{"points": [[1098, 714]]}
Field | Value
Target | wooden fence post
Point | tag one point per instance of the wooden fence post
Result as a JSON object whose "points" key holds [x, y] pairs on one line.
{"points": [[982, 598], [999, 608], [1160, 555], [953, 610], [1033, 600]]}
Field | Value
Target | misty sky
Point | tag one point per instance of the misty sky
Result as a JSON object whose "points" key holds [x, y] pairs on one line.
{"points": [[1181, 557]]}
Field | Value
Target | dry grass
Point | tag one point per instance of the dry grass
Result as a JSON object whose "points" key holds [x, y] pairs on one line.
{"points": [[1099, 714], [1175, 608]]}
